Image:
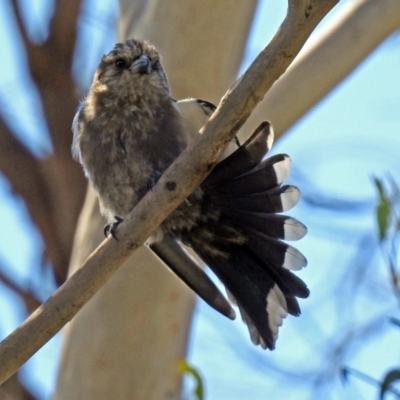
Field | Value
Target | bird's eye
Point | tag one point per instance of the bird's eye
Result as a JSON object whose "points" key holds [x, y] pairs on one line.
{"points": [[120, 63]]}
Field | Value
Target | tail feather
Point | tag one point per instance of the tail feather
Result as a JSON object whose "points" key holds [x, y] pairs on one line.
{"points": [[275, 252], [240, 235], [246, 280], [275, 200], [244, 159], [179, 261], [248, 192], [273, 225], [290, 285], [267, 175]]}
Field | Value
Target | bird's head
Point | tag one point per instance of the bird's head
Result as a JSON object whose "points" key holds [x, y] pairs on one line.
{"points": [[132, 66]]}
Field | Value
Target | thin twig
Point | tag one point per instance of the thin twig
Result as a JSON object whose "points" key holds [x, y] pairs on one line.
{"points": [[24, 172], [30, 300], [372, 381], [21, 26], [186, 172]]}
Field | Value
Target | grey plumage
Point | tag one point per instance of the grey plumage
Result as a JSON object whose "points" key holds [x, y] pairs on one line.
{"points": [[129, 130]]}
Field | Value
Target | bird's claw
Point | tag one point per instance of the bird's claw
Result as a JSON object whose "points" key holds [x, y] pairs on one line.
{"points": [[153, 180], [110, 229]]}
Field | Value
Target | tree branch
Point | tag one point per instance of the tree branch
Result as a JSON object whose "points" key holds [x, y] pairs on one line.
{"points": [[63, 31], [187, 172], [50, 65], [24, 173], [342, 44], [21, 25], [13, 389], [30, 300], [56, 85]]}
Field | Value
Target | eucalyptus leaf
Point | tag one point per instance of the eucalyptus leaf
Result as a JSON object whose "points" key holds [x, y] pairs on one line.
{"points": [[383, 209], [186, 368]]}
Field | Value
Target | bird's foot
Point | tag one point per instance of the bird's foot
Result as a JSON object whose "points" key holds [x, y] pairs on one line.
{"points": [[109, 229], [153, 180]]}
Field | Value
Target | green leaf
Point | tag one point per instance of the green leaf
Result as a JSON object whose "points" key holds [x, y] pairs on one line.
{"points": [[391, 377], [383, 209], [185, 368], [383, 217]]}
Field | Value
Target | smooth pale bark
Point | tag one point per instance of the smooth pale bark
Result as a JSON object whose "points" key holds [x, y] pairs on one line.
{"points": [[340, 46], [136, 328]]}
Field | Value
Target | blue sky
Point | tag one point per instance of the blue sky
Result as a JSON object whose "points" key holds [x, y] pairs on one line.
{"points": [[349, 137]]}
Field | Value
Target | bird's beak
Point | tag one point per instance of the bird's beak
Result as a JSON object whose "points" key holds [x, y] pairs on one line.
{"points": [[141, 65]]}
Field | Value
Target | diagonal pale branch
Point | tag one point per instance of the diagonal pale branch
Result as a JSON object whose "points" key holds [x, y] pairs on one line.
{"points": [[340, 46], [185, 174]]}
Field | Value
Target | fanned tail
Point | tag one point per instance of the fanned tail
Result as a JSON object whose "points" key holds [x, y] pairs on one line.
{"points": [[254, 263]]}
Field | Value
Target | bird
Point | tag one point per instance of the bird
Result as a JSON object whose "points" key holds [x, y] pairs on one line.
{"points": [[129, 130]]}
